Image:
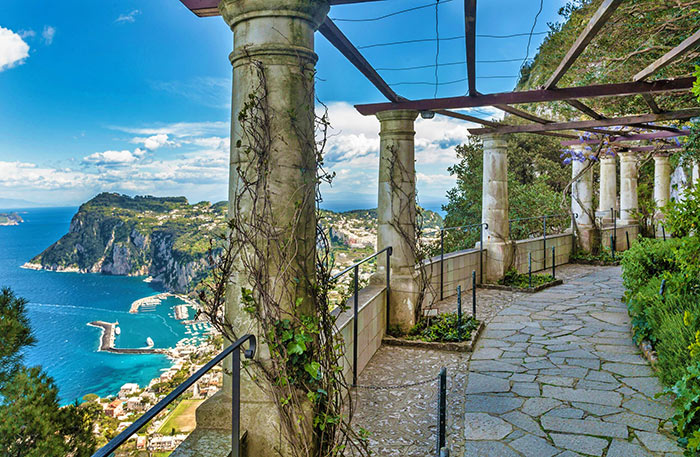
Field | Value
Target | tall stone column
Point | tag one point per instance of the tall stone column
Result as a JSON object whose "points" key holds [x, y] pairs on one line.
{"points": [[608, 189], [662, 185], [494, 207], [582, 201], [396, 212], [628, 187], [273, 63], [696, 173]]}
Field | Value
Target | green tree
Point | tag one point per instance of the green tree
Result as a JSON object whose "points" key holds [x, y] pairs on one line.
{"points": [[33, 423]]}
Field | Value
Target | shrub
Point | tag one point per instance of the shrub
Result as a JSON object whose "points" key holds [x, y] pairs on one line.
{"points": [[444, 328], [522, 281], [647, 259]]}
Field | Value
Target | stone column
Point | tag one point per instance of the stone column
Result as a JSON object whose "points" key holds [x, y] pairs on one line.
{"points": [[582, 202], [273, 63], [494, 207], [628, 187], [696, 174], [608, 189], [662, 186], [396, 213]]}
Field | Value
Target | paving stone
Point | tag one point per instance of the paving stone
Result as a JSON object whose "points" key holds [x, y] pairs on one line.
{"points": [[634, 421], [620, 448], [487, 353], [524, 422], [584, 444], [521, 377], [533, 446], [595, 385], [494, 365], [478, 383], [585, 395], [496, 404], [488, 449], [656, 442], [647, 385], [556, 380], [649, 408], [482, 426], [601, 376], [526, 389], [570, 413], [593, 364], [583, 426], [568, 454], [535, 407], [626, 369]]}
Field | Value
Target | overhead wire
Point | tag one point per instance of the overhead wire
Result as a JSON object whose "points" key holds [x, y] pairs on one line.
{"points": [[532, 32], [460, 37], [447, 64], [437, 48], [395, 13]]}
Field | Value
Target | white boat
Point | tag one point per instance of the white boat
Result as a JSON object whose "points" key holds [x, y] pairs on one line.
{"points": [[149, 342], [117, 330]]}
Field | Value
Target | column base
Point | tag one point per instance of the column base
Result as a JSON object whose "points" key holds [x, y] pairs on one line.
{"points": [[403, 302], [499, 258], [604, 217], [586, 237]]}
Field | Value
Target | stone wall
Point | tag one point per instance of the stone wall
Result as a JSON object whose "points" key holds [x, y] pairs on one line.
{"points": [[372, 325], [457, 271], [562, 243], [621, 242]]}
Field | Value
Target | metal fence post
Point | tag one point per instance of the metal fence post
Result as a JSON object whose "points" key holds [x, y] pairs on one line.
{"points": [[663, 232], [662, 289], [544, 241], [529, 268], [627, 235], [474, 294], [389, 251], [354, 326], [554, 263], [459, 310], [612, 246], [484, 226], [442, 261], [236, 404], [614, 224], [441, 413]]}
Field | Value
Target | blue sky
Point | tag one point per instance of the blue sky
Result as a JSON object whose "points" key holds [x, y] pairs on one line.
{"points": [[134, 96]]}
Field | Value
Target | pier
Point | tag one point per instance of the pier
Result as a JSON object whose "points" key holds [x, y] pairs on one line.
{"points": [[107, 340]]}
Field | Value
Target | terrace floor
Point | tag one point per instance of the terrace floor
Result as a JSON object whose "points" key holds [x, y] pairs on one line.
{"points": [[555, 374]]}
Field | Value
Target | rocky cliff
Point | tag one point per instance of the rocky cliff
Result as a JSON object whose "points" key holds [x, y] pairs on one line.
{"points": [[165, 238]]}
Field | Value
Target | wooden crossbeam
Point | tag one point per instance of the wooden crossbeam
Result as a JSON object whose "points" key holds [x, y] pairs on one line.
{"points": [[333, 34], [534, 96], [637, 137], [651, 103], [476, 120], [597, 21], [470, 42], [579, 125], [687, 44], [579, 105]]}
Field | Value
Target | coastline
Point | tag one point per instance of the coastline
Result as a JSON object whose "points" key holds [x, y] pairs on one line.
{"points": [[108, 336]]}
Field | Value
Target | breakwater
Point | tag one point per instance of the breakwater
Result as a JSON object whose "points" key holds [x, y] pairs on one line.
{"points": [[107, 340]]}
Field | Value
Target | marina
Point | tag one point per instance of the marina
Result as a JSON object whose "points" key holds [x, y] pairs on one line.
{"points": [[109, 332]]}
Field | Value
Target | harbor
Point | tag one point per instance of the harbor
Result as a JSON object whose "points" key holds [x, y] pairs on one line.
{"points": [[109, 332]]}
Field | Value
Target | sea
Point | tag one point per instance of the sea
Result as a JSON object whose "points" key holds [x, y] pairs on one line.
{"points": [[60, 305]]}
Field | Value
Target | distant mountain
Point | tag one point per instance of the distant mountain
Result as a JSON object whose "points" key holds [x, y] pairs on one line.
{"points": [[12, 203], [10, 219], [168, 238]]}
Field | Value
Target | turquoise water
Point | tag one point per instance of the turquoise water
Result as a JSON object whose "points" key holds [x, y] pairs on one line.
{"points": [[61, 305]]}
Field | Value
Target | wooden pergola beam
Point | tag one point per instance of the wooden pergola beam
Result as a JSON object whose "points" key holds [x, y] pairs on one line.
{"points": [[651, 103], [476, 120], [685, 46], [578, 125], [585, 109], [333, 34], [470, 42], [637, 137], [600, 17], [534, 96]]}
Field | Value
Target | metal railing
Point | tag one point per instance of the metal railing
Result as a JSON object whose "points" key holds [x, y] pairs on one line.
{"points": [[235, 351], [483, 226], [441, 435], [356, 302], [544, 228]]}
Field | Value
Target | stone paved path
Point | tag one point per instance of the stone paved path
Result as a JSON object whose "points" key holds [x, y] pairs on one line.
{"points": [[556, 374]]}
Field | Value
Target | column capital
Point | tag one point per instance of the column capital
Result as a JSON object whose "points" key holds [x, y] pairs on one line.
{"points": [[397, 115], [627, 155], [661, 155], [493, 141], [607, 158], [236, 11]]}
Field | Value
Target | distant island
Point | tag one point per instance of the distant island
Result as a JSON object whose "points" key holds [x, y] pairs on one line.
{"points": [[10, 219], [167, 238]]}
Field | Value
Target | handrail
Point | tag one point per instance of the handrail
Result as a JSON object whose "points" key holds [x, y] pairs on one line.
{"points": [[483, 226], [366, 259], [124, 436], [544, 229], [356, 300]]}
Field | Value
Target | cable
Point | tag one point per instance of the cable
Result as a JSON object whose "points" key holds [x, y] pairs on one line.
{"points": [[448, 64], [437, 48], [371, 19], [429, 83], [532, 30], [460, 37]]}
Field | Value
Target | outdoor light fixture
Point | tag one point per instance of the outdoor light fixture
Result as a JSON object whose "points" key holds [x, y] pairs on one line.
{"points": [[427, 114]]}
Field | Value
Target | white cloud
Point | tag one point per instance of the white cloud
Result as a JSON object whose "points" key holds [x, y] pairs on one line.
{"points": [[114, 158], [206, 91], [180, 129], [48, 34], [13, 49], [155, 141], [22, 175], [27, 33], [128, 17]]}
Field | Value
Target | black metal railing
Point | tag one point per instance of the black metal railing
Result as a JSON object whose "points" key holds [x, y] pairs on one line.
{"points": [[533, 222], [235, 351], [356, 302], [441, 435], [463, 228]]}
